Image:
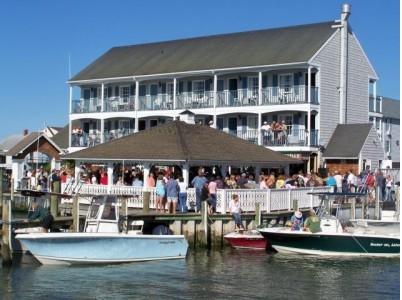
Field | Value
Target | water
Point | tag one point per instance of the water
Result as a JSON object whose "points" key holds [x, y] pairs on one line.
{"points": [[238, 274]]}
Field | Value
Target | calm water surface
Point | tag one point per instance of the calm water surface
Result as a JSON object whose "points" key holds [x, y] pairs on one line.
{"points": [[214, 275]]}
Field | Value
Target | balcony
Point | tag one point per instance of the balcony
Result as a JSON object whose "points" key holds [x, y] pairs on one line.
{"points": [[195, 100], [156, 102], [113, 104], [117, 133], [86, 106], [84, 139], [294, 136], [374, 104], [293, 95], [205, 99]]}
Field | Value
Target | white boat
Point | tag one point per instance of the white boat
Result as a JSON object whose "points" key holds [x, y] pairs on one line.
{"points": [[102, 242], [334, 239]]}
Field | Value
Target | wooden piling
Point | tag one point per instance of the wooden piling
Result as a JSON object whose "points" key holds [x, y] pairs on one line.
{"points": [[257, 215], [76, 214], [147, 197], [6, 230], [54, 201], [377, 203], [353, 209]]}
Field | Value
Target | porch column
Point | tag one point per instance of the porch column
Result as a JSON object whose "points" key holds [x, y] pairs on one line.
{"points": [[185, 170], [103, 97], [215, 92], [257, 173], [308, 127], [309, 85], [215, 120], [146, 170], [77, 170], [110, 178], [375, 95], [174, 93], [286, 169], [17, 172], [136, 104], [259, 129], [102, 129], [259, 90], [224, 171]]}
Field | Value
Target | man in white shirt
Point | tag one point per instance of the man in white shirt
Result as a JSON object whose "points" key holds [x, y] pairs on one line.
{"points": [[266, 132], [338, 178]]}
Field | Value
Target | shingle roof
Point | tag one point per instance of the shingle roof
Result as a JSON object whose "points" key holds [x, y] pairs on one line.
{"points": [[10, 142], [253, 48], [26, 142], [347, 141], [179, 141], [61, 138], [390, 108]]}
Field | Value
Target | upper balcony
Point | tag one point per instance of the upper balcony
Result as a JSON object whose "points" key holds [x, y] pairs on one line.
{"points": [[375, 104], [297, 94]]}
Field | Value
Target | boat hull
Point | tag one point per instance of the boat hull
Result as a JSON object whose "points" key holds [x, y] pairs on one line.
{"points": [[101, 248], [341, 244], [246, 241]]}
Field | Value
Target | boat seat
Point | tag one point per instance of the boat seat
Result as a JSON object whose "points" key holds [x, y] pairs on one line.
{"points": [[136, 227]]}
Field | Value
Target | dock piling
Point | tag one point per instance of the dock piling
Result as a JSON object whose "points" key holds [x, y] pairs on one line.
{"points": [[54, 204], [76, 214], [147, 197], [6, 229]]}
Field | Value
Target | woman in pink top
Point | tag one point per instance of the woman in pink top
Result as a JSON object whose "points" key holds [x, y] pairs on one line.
{"points": [[212, 195], [150, 180]]}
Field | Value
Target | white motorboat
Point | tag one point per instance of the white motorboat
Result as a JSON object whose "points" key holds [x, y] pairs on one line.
{"points": [[102, 241]]}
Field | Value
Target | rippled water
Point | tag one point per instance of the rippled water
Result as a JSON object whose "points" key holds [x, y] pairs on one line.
{"points": [[223, 274]]}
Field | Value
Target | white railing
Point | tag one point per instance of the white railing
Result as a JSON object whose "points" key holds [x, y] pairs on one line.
{"points": [[269, 200]]}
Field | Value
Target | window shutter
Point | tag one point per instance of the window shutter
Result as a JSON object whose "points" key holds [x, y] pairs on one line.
{"points": [[181, 86], [275, 80], [244, 83], [264, 81], [163, 87], [220, 85], [189, 86], [143, 90], [208, 84], [116, 91], [296, 79], [132, 90]]}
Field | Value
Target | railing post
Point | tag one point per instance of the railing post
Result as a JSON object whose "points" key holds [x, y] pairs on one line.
{"points": [[311, 199], [223, 202], [268, 195], [289, 200]]}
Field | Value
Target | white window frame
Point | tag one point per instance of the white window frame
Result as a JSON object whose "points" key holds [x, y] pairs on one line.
{"points": [[124, 99], [253, 86]]}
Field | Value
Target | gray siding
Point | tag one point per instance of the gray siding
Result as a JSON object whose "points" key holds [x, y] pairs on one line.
{"points": [[393, 139], [329, 61], [359, 71], [373, 149]]}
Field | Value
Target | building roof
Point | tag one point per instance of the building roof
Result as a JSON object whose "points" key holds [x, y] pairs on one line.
{"points": [[61, 138], [178, 141], [27, 141], [244, 49], [390, 108], [9, 142], [347, 141]]}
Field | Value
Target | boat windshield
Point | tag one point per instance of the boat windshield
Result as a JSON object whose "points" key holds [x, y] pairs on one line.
{"points": [[109, 210]]}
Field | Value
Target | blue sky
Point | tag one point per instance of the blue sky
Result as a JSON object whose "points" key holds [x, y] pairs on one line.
{"points": [[37, 37]]}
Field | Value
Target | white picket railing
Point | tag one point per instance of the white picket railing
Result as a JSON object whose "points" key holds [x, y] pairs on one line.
{"points": [[269, 200]]}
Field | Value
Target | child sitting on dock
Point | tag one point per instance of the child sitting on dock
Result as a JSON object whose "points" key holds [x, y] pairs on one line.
{"points": [[235, 210]]}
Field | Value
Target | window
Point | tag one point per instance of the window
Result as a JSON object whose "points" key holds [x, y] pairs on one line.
{"points": [[387, 146], [285, 82], [170, 91], [199, 87], [253, 84], [125, 94]]}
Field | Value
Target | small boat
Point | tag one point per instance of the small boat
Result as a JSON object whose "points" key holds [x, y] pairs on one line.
{"points": [[334, 239], [103, 240], [246, 240]]}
